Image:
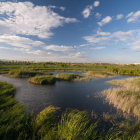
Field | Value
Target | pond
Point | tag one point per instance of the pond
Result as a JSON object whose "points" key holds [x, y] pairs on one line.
{"points": [[78, 95]]}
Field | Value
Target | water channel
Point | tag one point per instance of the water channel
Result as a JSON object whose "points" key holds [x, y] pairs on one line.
{"points": [[78, 95]]}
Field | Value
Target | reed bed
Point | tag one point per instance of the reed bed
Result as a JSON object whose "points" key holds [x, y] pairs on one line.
{"points": [[127, 99]]}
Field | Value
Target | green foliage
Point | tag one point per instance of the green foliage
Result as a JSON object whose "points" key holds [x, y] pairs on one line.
{"points": [[124, 71]]}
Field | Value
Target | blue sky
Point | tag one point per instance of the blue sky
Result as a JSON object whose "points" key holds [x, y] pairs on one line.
{"points": [[70, 30]]}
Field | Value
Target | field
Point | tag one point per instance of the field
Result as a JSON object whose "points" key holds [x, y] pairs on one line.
{"points": [[96, 70]]}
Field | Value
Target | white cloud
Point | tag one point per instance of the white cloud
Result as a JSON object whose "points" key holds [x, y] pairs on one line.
{"points": [[52, 6], [37, 52], [94, 39], [66, 50], [102, 38], [119, 16], [4, 48], [135, 45], [130, 14], [87, 11], [81, 55], [98, 15], [105, 21], [62, 8], [133, 17], [84, 45], [19, 41], [103, 33], [124, 36], [98, 48], [26, 19], [96, 3]]}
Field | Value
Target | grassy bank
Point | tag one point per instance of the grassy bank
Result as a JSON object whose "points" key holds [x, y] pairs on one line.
{"points": [[128, 99], [42, 80], [99, 74], [71, 77]]}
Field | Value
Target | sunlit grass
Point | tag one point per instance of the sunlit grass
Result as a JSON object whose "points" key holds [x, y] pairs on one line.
{"points": [[42, 80]]}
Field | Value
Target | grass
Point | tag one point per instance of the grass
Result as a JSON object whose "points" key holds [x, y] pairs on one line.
{"points": [[72, 125], [42, 80], [128, 99], [71, 77], [99, 74]]}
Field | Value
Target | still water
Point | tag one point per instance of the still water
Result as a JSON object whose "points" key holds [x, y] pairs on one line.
{"points": [[79, 95]]}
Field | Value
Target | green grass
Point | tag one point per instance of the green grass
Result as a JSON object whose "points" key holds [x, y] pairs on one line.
{"points": [[42, 80]]}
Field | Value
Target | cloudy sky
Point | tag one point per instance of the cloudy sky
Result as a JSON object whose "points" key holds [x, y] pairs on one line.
{"points": [[70, 30]]}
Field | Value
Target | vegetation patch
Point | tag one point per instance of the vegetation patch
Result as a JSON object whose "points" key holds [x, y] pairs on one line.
{"points": [[18, 73], [99, 74], [42, 80], [71, 77], [128, 99]]}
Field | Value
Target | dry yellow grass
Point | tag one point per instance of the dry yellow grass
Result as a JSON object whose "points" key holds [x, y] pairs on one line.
{"points": [[99, 74], [128, 99]]}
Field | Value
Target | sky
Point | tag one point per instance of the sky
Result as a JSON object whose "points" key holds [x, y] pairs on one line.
{"points": [[92, 31]]}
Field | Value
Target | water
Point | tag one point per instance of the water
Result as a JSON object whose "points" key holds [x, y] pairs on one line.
{"points": [[78, 95]]}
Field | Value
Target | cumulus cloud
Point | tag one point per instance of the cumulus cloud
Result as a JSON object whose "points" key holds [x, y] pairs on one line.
{"points": [[98, 15], [119, 16], [19, 41], [26, 19], [105, 21], [96, 3], [66, 50], [133, 17], [87, 11]]}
